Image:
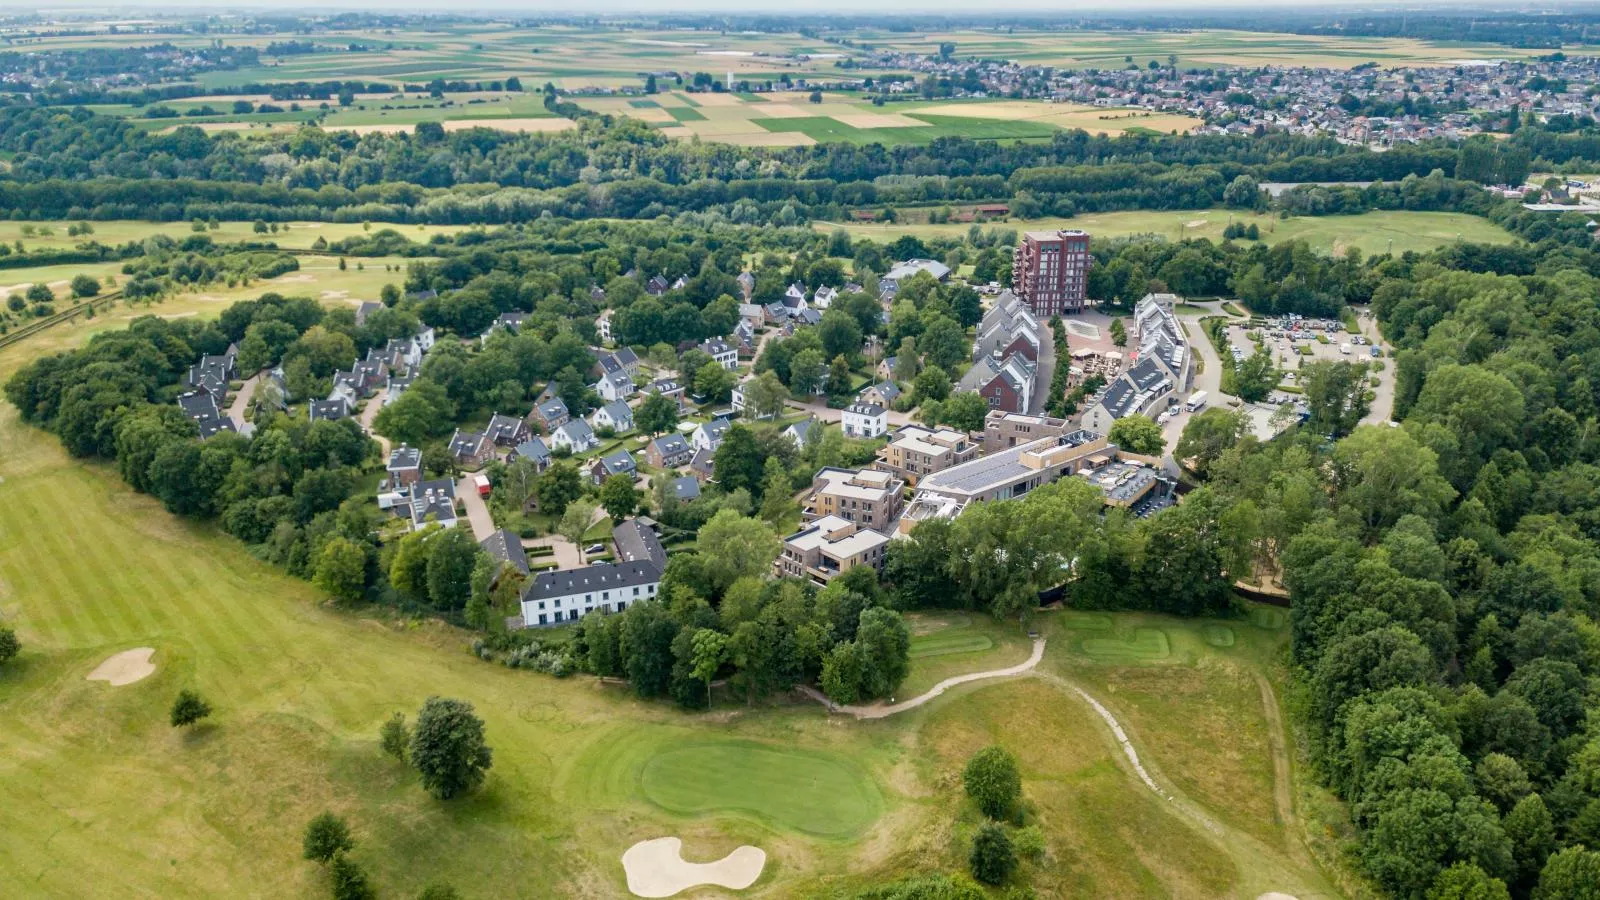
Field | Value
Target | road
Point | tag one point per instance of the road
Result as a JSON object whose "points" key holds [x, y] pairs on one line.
{"points": [[1044, 375], [241, 400], [1208, 378], [477, 510], [1383, 395]]}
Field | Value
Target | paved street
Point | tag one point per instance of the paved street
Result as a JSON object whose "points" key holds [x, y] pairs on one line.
{"points": [[477, 510]]}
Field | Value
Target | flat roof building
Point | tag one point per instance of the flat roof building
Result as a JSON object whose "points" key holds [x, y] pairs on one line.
{"points": [[866, 497], [827, 548], [916, 451], [1004, 475]]}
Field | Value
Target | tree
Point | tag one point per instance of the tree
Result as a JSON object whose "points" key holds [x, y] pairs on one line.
{"points": [[326, 836], [933, 383], [1138, 434], [805, 372], [709, 653], [1382, 474], [992, 860], [342, 570], [839, 378], [656, 415], [576, 520], [775, 500], [85, 286], [188, 708], [558, 487], [738, 464], [452, 555], [394, 736], [1119, 332], [1242, 193], [993, 781], [1208, 435], [1336, 396], [9, 645], [840, 333], [619, 497], [714, 382], [1465, 881], [884, 642], [349, 882], [733, 547], [448, 747], [1572, 874], [765, 395], [1252, 378]]}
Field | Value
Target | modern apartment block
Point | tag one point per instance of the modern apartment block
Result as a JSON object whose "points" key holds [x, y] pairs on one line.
{"points": [[1005, 475], [1002, 430], [917, 451], [827, 548], [1050, 271], [867, 497]]}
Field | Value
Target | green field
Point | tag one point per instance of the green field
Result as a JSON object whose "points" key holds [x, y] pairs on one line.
{"points": [[822, 130], [948, 644], [791, 789], [291, 235], [1374, 232]]}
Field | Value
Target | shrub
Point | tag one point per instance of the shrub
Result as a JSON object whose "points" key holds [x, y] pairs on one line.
{"points": [[189, 708], [992, 858], [326, 836], [349, 882], [394, 736], [9, 645]]}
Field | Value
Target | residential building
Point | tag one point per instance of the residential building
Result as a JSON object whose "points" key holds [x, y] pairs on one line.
{"points": [[1006, 384], [1003, 429], [702, 465], [471, 449], [686, 488], [752, 314], [827, 548], [428, 502], [217, 424], [533, 450], [637, 542], [509, 322], [803, 431], [506, 431], [1003, 475], [824, 297], [614, 386], [621, 360], [1050, 271], [505, 546], [709, 435], [884, 393], [668, 451], [1161, 338], [722, 352], [889, 284], [614, 415], [404, 467], [550, 414], [1145, 389], [327, 410], [575, 436], [864, 420], [1006, 330], [602, 323], [617, 463], [917, 451], [868, 497], [564, 595], [670, 388]]}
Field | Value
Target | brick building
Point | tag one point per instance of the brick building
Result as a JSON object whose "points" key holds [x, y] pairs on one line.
{"points": [[1050, 271]]}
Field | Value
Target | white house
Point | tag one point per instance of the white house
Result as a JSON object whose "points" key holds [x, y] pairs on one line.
{"points": [[865, 420], [709, 435], [565, 595], [576, 436], [824, 297], [614, 386], [614, 415], [724, 353]]}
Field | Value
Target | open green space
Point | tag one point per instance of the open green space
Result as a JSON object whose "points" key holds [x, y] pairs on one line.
{"points": [[789, 788], [823, 129], [948, 644], [1375, 232], [686, 114]]}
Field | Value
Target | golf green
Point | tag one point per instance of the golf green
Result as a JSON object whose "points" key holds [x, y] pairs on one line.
{"points": [[793, 789]]}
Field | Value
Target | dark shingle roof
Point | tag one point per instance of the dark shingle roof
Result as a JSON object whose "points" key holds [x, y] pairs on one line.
{"points": [[591, 578], [637, 543], [505, 546]]}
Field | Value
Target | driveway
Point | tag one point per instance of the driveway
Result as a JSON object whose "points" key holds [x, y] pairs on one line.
{"points": [[370, 412], [477, 510], [567, 555], [1045, 372], [241, 400], [1383, 395]]}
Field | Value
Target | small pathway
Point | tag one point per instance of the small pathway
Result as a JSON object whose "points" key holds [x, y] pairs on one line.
{"points": [[879, 710], [368, 414], [241, 401]]}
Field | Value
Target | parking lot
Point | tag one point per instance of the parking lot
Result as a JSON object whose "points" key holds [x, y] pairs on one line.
{"points": [[1293, 343]]}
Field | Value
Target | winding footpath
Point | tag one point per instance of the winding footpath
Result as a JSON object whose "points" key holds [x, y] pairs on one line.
{"points": [[879, 711]]}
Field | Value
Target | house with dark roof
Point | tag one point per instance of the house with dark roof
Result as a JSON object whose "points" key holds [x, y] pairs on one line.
{"points": [[686, 488], [509, 322], [535, 451], [864, 420], [721, 352], [212, 425], [703, 465], [471, 449], [803, 431], [563, 595], [1144, 389], [884, 393], [656, 286], [506, 547], [367, 308], [404, 467], [1004, 384], [506, 431], [620, 360], [617, 463], [614, 386], [637, 542], [198, 405], [671, 388], [709, 435], [328, 410], [668, 451], [550, 414], [428, 502]]}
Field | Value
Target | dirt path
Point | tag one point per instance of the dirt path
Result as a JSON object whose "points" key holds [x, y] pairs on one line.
{"points": [[879, 710], [369, 413], [1282, 783]]}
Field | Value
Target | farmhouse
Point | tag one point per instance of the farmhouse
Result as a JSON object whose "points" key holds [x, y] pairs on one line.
{"points": [[404, 467], [884, 393], [550, 414], [564, 595], [637, 542], [618, 463], [709, 435], [327, 410], [430, 502], [506, 431], [535, 451], [614, 386]]}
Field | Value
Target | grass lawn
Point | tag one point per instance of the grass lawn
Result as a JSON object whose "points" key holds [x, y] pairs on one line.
{"points": [[948, 644], [292, 235], [1373, 232]]}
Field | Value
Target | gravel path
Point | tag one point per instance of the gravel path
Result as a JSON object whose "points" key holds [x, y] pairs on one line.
{"points": [[879, 710]]}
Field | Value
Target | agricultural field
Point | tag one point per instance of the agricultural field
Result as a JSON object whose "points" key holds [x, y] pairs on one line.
{"points": [[791, 120], [1375, 232], [582, 771], [1109, 49]]}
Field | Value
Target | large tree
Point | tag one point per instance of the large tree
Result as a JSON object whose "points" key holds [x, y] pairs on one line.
{"points": [[448, 748]]}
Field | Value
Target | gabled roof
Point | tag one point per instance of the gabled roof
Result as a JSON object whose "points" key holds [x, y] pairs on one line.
{"points": [[715, 346], [198, 405], [502, 429], [403, 457], [800, 431], [865, 409], [686, 487], [533, 449], [328, 410], [888, 390], [554, 408], [714, 429], [669, 445], [591, 579], [467, 443], [577, 431], [211, 425], [637, 542], [618, 463], [505, 546]]}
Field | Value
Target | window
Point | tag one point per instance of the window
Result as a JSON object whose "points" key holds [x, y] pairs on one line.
{"points": [[544, 619], [636, 592]]}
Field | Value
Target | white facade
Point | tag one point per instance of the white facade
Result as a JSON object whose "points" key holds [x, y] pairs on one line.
{"points": [[865, 420]]}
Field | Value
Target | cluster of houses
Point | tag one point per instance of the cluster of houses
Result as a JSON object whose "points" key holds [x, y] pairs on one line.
{"points": [[206, 393], [1005, 356], [1163, 368]]}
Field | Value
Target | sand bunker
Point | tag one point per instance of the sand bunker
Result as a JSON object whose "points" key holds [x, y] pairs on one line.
{"points": [[657, 869], [1274, 895], [125, 667]]}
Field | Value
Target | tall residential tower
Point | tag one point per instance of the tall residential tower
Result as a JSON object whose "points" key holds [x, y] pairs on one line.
{"points": [[1050, 271]]}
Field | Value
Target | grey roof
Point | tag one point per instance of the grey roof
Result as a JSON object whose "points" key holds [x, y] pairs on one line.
{"points": [[502, 429], [578, 431], [367, 308], [618, 463], [505, 546], [210, 425], [986, 472], [801, 431], [638, 543], [665, 386], [618, 411], [533, 448], [686, 487], [554, 408], [562, 583], [466, 443], [669, 445], [715, 346], [328, 410], [715, 429], [865, 409], [435, 498], [198, 405], [703, 461], [403, 457], [1122, 396], [887, 389]]}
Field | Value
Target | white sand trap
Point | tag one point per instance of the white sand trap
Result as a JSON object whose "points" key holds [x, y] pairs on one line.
{"points": [[1274, 895], [657, 869], [1194, 223], [125, 667]]}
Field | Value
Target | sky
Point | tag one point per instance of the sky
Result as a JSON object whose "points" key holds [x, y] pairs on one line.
{"points": [[800, 7]]}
